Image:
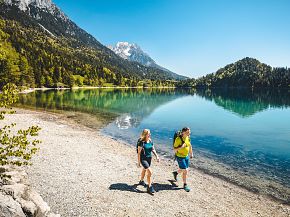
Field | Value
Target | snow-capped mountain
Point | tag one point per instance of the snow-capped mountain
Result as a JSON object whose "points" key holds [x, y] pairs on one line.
{"points": [[133, 52], [44, 5]]}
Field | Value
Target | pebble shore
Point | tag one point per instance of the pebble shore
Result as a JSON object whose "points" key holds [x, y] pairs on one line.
{"points": [[80, 172]]}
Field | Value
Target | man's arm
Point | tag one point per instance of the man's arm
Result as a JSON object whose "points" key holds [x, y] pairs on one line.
{"points": [[178, 144], [190, 151]]}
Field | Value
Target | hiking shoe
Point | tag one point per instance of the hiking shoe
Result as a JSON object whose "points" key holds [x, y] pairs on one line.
{"points": [[141, 182], [186, 188], [151, 190], [175, 175]]}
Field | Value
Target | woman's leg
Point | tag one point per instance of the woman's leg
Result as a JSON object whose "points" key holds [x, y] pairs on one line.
{"points": [[143, 174], [149, 174]]}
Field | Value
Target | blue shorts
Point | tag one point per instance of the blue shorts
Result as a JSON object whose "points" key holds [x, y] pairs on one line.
{"points": [[183, 162]]}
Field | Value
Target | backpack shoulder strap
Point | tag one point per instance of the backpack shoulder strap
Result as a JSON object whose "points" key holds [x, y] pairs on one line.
{"points": [[180, 136], [142, 144], [181, 141]]}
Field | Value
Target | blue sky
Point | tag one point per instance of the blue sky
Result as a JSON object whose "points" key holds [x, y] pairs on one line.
{"points": [[190, 37]]}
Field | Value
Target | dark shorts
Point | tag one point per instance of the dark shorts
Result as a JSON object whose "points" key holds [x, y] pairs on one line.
{"points": [[146, 161], [183, 162]]}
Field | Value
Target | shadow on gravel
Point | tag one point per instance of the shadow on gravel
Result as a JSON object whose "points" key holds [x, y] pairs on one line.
{"points": [[133, 188], [125, 187], [166, 187]]}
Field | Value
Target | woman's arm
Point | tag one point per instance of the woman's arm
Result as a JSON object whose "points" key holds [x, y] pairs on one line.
{"points": [[156, 155], [139, 156]]}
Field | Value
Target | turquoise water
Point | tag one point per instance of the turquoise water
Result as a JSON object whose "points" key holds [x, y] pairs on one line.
{"points": [[241, 136]]}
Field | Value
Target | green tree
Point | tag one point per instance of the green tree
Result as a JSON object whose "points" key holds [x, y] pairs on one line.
{"points": [[79, 80], [26, 78], [49, 81], [9, 70], [68, 78], [15, 148]]}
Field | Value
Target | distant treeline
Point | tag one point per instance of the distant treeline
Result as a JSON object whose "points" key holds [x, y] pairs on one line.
{"points": [[246, 73], [30, 57]]}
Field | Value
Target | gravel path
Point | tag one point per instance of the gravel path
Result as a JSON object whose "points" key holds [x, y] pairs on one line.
{"points": [[79, 172]]}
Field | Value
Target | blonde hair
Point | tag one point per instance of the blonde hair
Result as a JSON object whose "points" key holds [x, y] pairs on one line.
{"points": [[144, 133]]}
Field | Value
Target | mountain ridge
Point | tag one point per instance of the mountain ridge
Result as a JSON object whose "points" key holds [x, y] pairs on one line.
{"points": [[70, 48], [133, 52]]}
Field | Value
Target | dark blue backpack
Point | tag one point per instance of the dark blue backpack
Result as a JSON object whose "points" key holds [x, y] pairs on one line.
{"points": [[177, 134], [139, 143]]}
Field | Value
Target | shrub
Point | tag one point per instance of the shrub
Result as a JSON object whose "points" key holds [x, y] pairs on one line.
{"points": [[15, 148]]}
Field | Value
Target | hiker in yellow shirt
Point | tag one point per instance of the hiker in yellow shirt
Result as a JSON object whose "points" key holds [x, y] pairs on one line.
{"points": [[183, 150]]}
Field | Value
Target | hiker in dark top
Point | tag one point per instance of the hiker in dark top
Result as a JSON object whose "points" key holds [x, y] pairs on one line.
{"points": [[145, 149]]}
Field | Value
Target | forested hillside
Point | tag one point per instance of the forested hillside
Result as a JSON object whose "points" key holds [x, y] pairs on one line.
{"points": [[31, 55], [245, 73]]}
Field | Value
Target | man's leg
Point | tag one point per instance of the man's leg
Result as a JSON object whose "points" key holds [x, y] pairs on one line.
{"points": [[184, 175], [181, 165]]}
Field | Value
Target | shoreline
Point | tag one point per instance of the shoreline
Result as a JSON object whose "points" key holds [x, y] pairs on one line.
{"points": [[222, 197], [29, 90], [89, 87], [201, 162], [220, 170], [209, 166]]}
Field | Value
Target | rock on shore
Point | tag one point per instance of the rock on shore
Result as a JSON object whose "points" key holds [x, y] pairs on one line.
{"points": [[18, 198]]}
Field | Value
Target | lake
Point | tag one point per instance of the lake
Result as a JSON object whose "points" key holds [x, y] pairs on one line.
{"points": [[241, 136]]}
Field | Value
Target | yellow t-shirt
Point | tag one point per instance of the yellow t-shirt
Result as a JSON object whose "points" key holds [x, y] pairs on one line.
{"points": [[183, 152]]}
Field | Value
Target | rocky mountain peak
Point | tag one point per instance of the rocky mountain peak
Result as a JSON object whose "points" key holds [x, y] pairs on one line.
{"points": [[24, 4], [34, 7], [126, 50], [132, 52]]}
